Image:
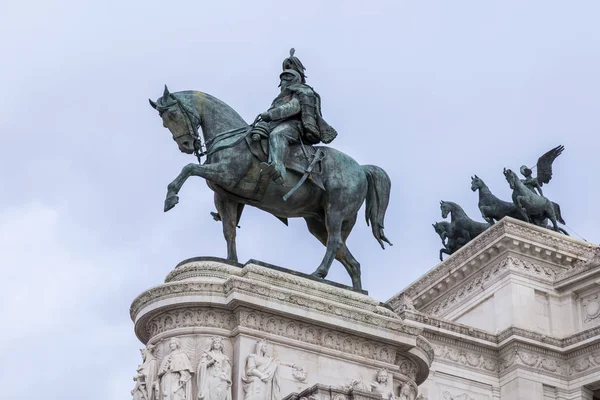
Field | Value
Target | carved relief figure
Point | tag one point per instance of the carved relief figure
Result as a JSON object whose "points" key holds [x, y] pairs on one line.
{"points": [[175, 374], [357, 384], [405, 392], [382, 386], [260, 379], [214, 373], [145, 379], [464, 396]]}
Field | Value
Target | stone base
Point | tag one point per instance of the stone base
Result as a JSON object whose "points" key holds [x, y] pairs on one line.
{"points": [[318, 392], [316, 333]]}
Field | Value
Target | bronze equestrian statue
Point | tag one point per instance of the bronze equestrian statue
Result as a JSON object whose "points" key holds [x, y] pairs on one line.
{"points": [[274, 165]]}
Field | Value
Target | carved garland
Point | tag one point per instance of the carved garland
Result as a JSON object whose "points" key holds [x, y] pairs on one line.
{"points": [[331, 339], [464, 357], [189, 318]]}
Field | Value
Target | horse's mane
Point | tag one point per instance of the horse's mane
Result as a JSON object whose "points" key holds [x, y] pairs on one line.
{"points": [[224, 107], [453, 204]]}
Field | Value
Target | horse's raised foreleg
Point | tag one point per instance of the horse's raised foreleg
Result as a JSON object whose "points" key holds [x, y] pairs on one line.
{"points": [[230, 212], [211, 172], [446, 251]]}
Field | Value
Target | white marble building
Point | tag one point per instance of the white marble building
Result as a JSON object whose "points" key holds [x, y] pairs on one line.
{"points": [[515, 314]]}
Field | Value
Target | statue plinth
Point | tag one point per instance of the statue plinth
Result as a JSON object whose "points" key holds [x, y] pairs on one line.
{"points": [[269, 329]]}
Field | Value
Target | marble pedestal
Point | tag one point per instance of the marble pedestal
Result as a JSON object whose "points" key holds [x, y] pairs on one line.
{"points": [[317, 333]]}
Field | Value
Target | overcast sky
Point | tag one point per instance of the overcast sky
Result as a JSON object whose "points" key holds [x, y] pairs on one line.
{"points": [[432, 91]]}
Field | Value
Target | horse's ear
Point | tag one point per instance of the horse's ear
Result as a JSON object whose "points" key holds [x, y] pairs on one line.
{"points": [[153, 104], [476, 177], [441, 201], [166, 93], [472, 178]]}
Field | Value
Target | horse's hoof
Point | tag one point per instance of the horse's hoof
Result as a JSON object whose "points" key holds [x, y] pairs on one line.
{"points": [[170, 202], [318, 274]]}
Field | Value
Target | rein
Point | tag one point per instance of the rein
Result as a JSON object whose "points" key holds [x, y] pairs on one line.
{"points": [[210, 144], [192, 129]]}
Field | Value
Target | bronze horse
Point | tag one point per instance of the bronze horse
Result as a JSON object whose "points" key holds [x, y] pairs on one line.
{"points": [[231, 169]]}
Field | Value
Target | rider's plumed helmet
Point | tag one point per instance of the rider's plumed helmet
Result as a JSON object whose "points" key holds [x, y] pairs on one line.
{"points": [[295, 64]]}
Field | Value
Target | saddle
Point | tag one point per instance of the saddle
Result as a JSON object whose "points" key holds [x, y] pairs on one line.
{"points": [[302, 159]]}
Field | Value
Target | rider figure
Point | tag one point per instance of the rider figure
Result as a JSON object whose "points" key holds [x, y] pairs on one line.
{"points": [[294, 116], [529, 181]]}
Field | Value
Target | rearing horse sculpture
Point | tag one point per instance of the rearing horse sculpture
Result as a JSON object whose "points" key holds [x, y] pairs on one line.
{"points": [[492, 208], [533, 208], [232, 171], [462, 227]]}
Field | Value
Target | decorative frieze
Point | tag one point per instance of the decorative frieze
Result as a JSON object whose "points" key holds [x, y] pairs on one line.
{"points": [[467, 358], [449, 396], [311, 334], [190, 317], [532, 358], [590, 361]]}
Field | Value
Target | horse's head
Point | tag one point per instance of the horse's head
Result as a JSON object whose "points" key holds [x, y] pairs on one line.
{"points": [[441, 228], [446, 208], [510, 177], [180, 118], [476, 183]]}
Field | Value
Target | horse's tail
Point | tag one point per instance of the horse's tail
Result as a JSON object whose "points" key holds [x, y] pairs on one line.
{"points": [[378, 197], [559, 217]]}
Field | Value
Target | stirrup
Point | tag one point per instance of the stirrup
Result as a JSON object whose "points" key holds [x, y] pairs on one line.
{"points": [[269, 169]]}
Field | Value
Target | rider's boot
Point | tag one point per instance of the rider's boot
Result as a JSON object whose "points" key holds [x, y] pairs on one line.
{"points": [[278, 149]]}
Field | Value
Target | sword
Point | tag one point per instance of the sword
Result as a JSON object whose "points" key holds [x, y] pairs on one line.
{"points": [[182, 385], [318, 157]]}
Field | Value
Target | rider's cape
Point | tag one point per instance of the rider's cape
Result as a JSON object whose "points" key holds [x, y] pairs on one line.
{"points": [[316, 129]]}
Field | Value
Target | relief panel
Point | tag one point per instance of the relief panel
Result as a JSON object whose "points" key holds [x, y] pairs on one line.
{"points": [[590, 310]]}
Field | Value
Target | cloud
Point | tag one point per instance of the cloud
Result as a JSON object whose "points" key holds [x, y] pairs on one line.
{"points": [[433, 92], [58, 316]]}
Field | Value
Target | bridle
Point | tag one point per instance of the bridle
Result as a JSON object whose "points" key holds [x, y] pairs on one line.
{"points": [[192, 128]]}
